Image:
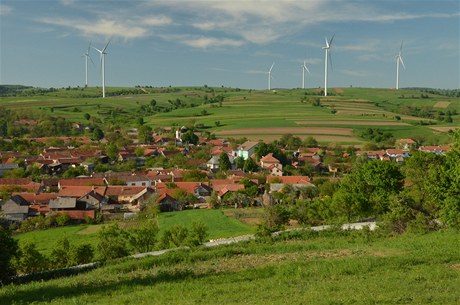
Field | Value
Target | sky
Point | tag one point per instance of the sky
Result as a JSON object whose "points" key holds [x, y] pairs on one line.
{"points": [[230, 43]]}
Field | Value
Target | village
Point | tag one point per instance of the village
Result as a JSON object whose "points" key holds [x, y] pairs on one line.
{"points": [[226, 174]]}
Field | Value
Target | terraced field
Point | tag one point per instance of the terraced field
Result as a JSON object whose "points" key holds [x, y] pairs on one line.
{"points": [[257, 115]]}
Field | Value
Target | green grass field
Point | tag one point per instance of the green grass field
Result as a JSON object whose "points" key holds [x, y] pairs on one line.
{"points": [[219, 226], [252, 113], [318, 268]]}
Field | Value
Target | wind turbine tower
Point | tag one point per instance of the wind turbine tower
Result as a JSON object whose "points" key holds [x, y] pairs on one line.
{"points": [[86, 55], [399, 60], [102, 56], [326, 56], [304, 68], [270, 76]]}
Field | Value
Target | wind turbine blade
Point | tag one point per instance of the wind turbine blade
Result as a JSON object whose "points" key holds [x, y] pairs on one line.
{"points": [[327, 43], [91, 60], [305, 67], [330, 41], [271, 67], [400, 49], [89, 48], [97, 49], [400, 59], [103, 50]]}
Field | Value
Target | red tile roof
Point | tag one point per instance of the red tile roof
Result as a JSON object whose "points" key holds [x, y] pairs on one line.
{"points": [[41, 198], [269, 159], [290, 179], [81, 182]]}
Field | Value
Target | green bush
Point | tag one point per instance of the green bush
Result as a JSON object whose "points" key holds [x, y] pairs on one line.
{"points": [[112, 242], [9, 250]]}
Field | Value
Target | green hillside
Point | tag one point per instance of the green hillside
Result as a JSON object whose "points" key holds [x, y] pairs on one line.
{"points": [[316, 268], [254, 114]]}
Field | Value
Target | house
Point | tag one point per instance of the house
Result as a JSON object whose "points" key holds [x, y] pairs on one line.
{"points": [[198, 189], [397, 155], [7, 166], [268, 160], [168, 203], [16, 208], [79, 191], [277, 183], [246, 149], [82, 182], [213, 163], [129, 196], [406, 144], [66, 203], [438, 150], [34, 199], [16, 184], [275, 170], [129, 179]]}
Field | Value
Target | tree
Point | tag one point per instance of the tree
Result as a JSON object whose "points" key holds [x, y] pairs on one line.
{"points": [[30, 260], [224, 162], [60, 255], [98, 134], [184, 198], [197, 234], [189, 137], [9, 251], [145, 134], [139, 121], [87, 116], [112, 242], [194, 175], [239, 162], [250, 165], [144, 238], [366, 190], [274, 218], [81, 254]]}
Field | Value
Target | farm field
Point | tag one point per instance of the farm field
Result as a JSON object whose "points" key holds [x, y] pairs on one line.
{"points": [[219, 226], [256, 114], [316, 268]]}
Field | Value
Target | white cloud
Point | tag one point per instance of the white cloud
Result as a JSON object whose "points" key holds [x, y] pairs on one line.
{"points": [[104, 27], [201, 42], [265, 21], [5, 9], [157, 21]]}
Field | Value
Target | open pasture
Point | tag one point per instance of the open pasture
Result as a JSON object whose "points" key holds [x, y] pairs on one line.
{"points": [[243, 111]]}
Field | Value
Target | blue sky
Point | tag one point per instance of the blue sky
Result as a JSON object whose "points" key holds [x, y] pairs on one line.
{"points": [[230, 43]]}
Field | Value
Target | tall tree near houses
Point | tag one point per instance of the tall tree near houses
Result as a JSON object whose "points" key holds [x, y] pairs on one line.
{"points": [[224, 162]]}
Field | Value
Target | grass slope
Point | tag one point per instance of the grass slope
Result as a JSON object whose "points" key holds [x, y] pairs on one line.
{"points": [[255, 109], [355, 268], [218, 224]]}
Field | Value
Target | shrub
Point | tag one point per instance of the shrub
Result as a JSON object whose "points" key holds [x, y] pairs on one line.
{"points": [[30, 260], [112, 242], [62, 219], [81, 254], [9, 250]]}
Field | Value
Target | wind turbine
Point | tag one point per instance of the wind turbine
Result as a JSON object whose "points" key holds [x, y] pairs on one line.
{"points": [[86, 55], [270, 76], [102, 55], [304, 68], [399, 60], [326, 56]]}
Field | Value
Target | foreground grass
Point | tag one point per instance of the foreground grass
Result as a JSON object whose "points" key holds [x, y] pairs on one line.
{"points": [[355, 268]]}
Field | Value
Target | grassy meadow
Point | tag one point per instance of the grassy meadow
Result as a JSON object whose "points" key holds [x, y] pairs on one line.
{"points": [[255, 114], [219, 226], [311, 268]]}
